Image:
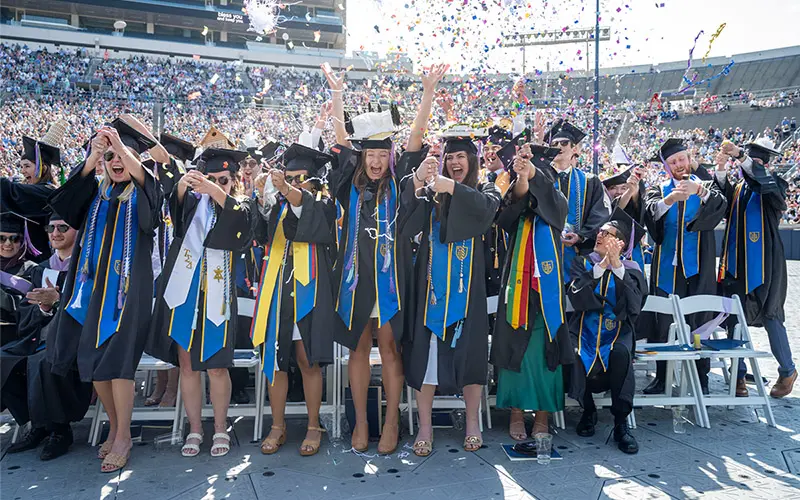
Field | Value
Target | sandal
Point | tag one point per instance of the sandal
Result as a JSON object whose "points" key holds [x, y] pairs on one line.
{"points": [[225, 445], [114, 462], [423, 448], [102, 452], [385, 451], [355, 446], [152, 401], [192, 447], [517, 430], [314, 445], [473, 443], [274, 444]]}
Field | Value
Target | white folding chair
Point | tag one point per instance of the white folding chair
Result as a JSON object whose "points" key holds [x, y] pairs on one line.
{"points": [[718, 304]]}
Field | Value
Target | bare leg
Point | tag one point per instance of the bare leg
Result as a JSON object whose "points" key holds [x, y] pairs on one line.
{"points": [[516, 426], [392, 385], [540, 422], [122, 390], [277, 402], [159, 389], [191, 394], [106, 396], [312, 388], [220, 387], [472, 400], [425, 409], [171, 392], [359, 371]]}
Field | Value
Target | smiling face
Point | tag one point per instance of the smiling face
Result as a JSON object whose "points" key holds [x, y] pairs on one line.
{"points": [[679, 164], [490, 159], [117, 172], [567, 150], [10, 244], [606, 234], [376, 163], [617, 190], [457, 165], [28, 169], [59, 240], [250, 168]]}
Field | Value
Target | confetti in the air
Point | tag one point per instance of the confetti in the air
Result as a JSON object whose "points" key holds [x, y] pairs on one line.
{"points": [[264, 15]]}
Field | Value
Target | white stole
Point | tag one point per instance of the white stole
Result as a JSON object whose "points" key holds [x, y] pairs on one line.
{"points": [[180, 280]]}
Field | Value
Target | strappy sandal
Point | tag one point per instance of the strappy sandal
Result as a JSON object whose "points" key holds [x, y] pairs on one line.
{"points": [[114, 462], [473, 443], [192, 447], [522, 435], [225, 445], [314, 445], [274, 444], [423, 448], [104, 449], [365, 447]]}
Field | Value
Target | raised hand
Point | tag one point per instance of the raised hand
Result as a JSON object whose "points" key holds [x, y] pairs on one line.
{"points": [[539, 122], [730, 149], [524, 168], [335, 82], [432, 76], [279, 181]]}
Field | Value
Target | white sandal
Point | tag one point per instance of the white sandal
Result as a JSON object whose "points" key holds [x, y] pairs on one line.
{"points": [[225, 447], [191, 447]]}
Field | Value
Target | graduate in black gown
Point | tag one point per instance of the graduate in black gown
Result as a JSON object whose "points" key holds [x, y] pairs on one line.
{"points": [[606, 293], [530, 343], [589, 207], [15, 269], [30, 390], [495, 240], [373, 276], [196, 310], [447, 345], [104, 313], [682, 213], [29, 197], [753, 265], [294, 308]]}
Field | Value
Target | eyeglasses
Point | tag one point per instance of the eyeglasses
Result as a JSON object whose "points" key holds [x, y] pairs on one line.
{"points": [[222, 181], [14, 238], [608, 232], [110, 155], [292, 179], [561, 143], [51, 228]]}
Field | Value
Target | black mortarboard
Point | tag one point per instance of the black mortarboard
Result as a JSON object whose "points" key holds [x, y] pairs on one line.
{"points": [[54, 216], [180, 149], [562, 129], [11, 223], [618, 178], [499, 136], [270, 150], [669, 148], [255, 153], [373, 143], [48, 154], [630, 230], [456, 144], [214, 160], [132, 137], [542, 155], [760, 151], [299, 157], [149, 164]]}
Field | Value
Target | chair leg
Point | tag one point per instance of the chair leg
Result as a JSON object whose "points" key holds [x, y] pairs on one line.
{"points": [[486, 406], [178, 417], [259, 417], [410, 399], [16, 433], [632, 419], [480, 410], [762, 392], [98, 423]]}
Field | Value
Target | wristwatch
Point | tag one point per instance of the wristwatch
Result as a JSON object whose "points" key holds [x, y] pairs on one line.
{"points": [[741, 154]]}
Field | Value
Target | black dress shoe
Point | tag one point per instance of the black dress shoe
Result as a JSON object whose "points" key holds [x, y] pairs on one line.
{"points": [[625, 440], [240, 397], [586, 424], [657, 386], [57, 444], [31, 440]]}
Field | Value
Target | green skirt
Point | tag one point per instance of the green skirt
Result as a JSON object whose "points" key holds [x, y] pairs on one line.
{"points": [[534, 387]]}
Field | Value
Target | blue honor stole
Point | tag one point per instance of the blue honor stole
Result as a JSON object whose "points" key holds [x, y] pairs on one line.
{"points": [[449, 279], [113, 285], [551, 286], [677, 238], [387, 294], [576, 200], [599, 329], [753, 233]]}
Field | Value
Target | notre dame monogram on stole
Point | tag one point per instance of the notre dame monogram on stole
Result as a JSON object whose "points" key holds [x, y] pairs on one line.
{"points": [[187, 257]]}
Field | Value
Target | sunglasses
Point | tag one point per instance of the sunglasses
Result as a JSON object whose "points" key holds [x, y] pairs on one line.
{"points": [[222, 181], [14, 238], [51, 228], [292, 179], [110, 155], [562, 143]]}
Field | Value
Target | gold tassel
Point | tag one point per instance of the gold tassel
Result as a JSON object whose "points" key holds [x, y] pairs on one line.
{"points": [[496, 260]]}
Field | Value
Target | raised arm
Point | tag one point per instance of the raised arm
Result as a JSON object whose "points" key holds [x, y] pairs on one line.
{"points": [[430, 79], [336, 85]]}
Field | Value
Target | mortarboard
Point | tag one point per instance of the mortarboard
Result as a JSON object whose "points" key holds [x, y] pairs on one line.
{"points": [[178, 148], [12, 222], [132, 138], [669, 148], [374, 129], [562, 129], [214, 160], [299, 157], [630, 230], [618, 178]]}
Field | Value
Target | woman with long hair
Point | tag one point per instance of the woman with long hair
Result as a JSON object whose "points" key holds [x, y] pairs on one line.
{"points": [[196, 306], [294, 309], [105, 308], [373, 273], [448, 343]]}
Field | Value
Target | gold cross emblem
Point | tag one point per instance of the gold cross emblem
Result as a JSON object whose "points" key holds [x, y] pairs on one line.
{"points": [[218, 274]]}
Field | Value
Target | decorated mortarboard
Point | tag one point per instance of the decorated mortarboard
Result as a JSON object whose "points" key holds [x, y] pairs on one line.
{"points": [[215, 160], [14, 223], [45, 150], [563, 129], [373, 129], [630, 230], [132, 138], [214, 138], [462, 137], [499, 136], [178, 148], [615, 179], [542, 155], [669, 148], [300, 157], [762, 149]]}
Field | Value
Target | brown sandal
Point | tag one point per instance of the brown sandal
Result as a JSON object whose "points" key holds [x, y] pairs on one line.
{"points": [[423, 448], [473, 443], [274, 444], [115, 461], [104, 449], [314, 445]]}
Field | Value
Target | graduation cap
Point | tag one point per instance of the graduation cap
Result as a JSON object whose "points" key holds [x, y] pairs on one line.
{"points": [[178, 148], [215, 160], [462, 137], [12, 222], [669, 148], [270, 150], [499, 136], [300, 157], [374, 129], [765, 182], [542, 155], [762, 148], [630, 230], [618, 178], [216, 139], [562, 129], [54, 216], [46, 154], [132, 138], [149, 164]]}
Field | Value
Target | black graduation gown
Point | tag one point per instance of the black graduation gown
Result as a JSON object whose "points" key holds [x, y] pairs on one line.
{"points": [[495, 243], [317, 224], [509, 345], [341, 180], [118, 357], [231, 232], [468, 213], [767, 300], [595, 212], [582, 294], [30, 201], [10, 300], [30, 389], [710, 213]]}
